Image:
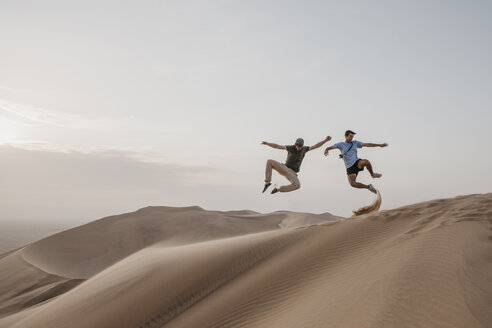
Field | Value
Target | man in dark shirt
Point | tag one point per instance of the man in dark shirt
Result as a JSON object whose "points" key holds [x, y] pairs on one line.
{"points": [[295, 155]]}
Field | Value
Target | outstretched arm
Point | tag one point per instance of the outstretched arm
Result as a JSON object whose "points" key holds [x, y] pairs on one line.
{"points": [[375, 145], [273, 145], [321, 143], [328, 149]]}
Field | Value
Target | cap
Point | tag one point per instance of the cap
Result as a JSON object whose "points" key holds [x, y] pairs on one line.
{"points": [[349, 132], [300, 142]]}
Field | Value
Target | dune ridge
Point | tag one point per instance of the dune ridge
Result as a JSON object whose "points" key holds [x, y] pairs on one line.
{"points": [[423, 265]]}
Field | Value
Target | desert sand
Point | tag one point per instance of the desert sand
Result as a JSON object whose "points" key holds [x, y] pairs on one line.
{"points": [[424, 265]]}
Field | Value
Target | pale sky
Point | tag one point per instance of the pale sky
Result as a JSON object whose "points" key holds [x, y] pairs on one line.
{"points": [[110, 106]]}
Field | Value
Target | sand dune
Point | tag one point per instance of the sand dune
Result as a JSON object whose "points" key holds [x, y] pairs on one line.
{"points": [[424, 265], [15, 234]]}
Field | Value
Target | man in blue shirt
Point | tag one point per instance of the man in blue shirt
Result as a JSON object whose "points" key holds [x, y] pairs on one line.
{"points": [[353, 163]]}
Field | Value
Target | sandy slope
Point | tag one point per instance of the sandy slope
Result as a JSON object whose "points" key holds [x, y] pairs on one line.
{"points": [[32, 276], [425, 265]]}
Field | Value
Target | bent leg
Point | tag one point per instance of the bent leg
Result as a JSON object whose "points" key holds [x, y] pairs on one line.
{"points": [[289, 175], [365, 163], [352, 181], [294, 183]]}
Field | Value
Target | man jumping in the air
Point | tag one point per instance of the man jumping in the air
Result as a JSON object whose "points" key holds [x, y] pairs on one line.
{"points": [[295, 155], [353, 164]]}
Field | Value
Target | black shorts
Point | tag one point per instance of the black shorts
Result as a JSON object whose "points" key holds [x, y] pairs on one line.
{"points": [[354, 169]]}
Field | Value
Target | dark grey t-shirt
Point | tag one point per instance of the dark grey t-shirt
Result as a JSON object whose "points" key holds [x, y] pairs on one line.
{"points": [[295, 157]]}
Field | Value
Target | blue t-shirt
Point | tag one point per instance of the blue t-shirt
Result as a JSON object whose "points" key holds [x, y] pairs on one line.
{"points": [[349, 156]]}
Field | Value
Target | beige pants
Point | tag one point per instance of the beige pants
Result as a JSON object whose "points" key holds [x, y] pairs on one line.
{"points": [[285, 171]]}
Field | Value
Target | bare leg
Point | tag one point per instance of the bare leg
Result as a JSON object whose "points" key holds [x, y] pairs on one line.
{"points": [[352, 181], [365, 163]]}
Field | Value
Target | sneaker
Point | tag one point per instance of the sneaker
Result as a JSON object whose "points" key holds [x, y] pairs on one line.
{"points": [[372, 189], [274, 191], [376, 175], [266, 186]]}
